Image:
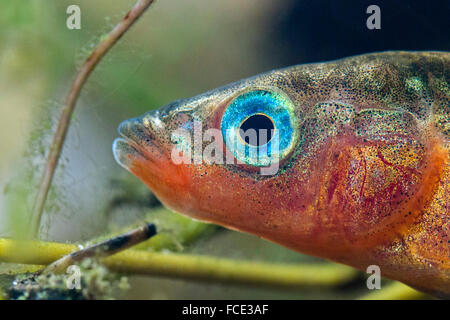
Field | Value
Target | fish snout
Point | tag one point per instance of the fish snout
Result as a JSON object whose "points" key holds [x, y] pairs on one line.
{"points": [[134, 130], [139, 140], [147, 138]]}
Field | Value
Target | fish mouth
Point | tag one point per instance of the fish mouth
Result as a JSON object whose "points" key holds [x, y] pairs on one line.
{"points": [[137, 143]]}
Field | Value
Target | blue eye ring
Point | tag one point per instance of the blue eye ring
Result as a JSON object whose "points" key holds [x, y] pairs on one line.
{"points": [[274, 105]]}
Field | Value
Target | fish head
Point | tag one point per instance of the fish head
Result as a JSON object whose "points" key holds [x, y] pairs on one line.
{"points": [[337, 170]]}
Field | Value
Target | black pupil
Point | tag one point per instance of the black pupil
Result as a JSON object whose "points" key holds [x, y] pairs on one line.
{"points": [[262, 125]]}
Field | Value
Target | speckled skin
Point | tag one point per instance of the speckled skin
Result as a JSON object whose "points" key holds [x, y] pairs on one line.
{"points": [[367, 182]]}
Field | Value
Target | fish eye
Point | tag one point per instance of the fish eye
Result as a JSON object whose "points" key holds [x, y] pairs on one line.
{"points": [[260, 123], [260, 127]]}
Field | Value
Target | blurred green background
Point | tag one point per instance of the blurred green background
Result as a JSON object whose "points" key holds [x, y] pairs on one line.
{"points": [[178, 49], [163, 57]]}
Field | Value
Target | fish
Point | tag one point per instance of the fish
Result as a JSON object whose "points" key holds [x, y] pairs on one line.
{"points": [[352, 163]]}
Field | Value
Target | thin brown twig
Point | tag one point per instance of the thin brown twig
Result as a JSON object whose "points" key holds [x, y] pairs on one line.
{"points": [[103, 249], [66, 113]]}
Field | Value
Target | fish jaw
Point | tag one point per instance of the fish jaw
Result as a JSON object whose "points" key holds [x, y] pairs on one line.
{"points": [[143, 151], [136, 144]]}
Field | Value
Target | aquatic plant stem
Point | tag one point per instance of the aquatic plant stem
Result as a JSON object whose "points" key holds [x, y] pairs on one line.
{"points": [[185, 266], [397, 291], [66, 113]]}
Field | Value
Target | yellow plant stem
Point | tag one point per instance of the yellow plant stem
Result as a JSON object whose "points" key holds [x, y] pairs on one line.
{"points": [[186, 266], [396, 290]]}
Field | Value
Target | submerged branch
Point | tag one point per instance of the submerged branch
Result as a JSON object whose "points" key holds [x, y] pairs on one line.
{"points": [[66, 113], [103, 249], [184, 266]]}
